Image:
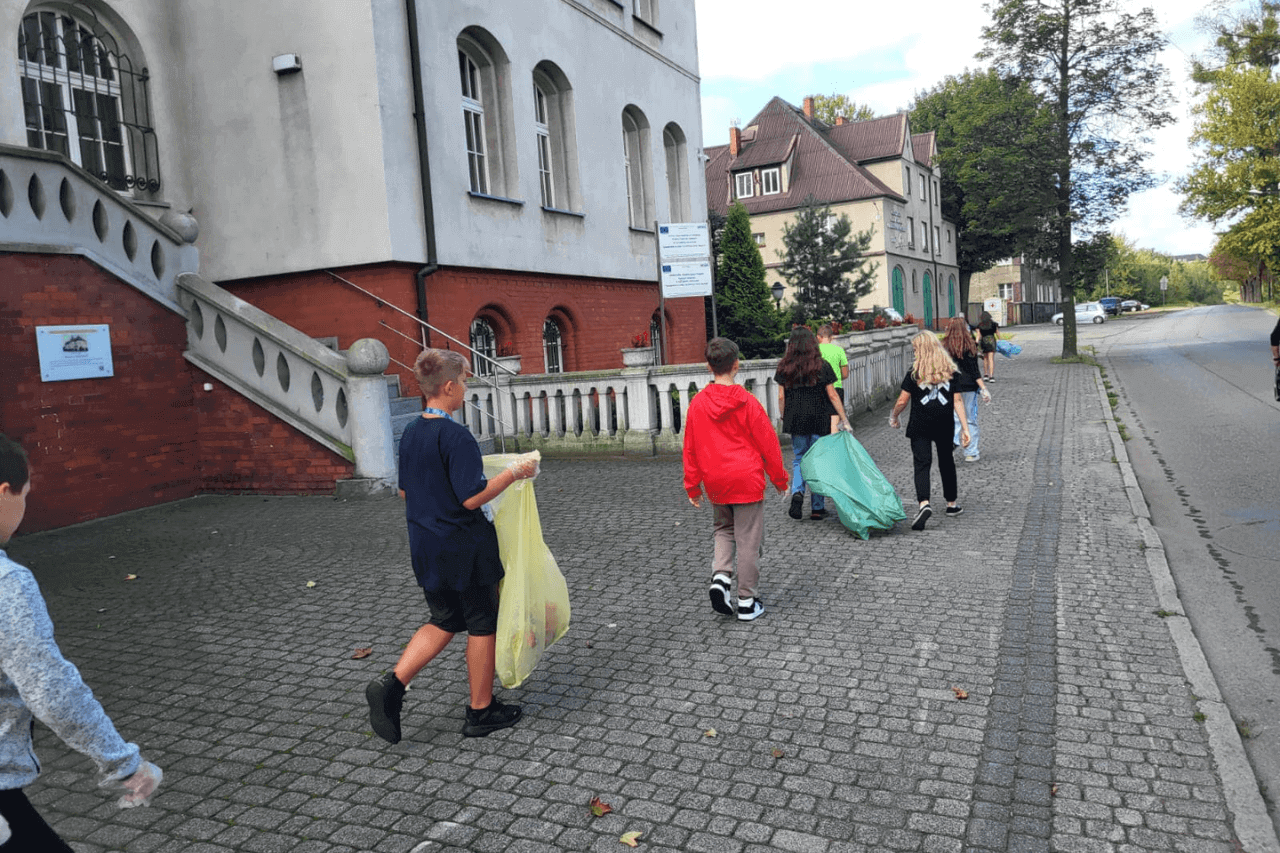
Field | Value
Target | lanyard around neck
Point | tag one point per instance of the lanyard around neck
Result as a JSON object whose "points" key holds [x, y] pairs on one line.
{"points": [[432, 410]]}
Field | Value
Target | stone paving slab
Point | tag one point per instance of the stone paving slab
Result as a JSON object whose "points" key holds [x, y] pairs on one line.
{"points": [[837, 725]]}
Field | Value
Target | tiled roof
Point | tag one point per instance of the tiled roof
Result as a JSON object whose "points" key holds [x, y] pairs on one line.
{"points": [[821, 168], [876, 139], [924, 146]]}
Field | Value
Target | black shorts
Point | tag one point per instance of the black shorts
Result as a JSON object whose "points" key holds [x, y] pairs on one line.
{"points": [[987, 343], [474, 610]]}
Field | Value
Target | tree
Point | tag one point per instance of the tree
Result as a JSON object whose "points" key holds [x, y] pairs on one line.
{"points": [[994, 141], [1099, 67], [1235, 179], [827, 108], [823, 263], [744, 306]]}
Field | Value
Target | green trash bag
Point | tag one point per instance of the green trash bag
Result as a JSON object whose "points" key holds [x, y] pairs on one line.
{"points": [[838, 467]]}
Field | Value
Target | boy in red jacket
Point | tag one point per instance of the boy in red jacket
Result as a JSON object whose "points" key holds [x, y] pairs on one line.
{"points": [[729, 447]]}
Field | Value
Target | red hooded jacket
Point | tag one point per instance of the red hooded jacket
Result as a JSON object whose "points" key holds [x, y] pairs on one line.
{"points": [[729, 446]]}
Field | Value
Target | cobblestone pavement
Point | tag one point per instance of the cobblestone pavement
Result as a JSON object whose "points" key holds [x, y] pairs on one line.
{"points": [[837, 723]]}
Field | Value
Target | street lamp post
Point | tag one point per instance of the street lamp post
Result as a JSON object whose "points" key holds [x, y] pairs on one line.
{"points": [[777, 291]]}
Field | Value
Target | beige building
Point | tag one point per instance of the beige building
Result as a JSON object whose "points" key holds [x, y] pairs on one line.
{"points": [[879, 174], [1018, 281]]}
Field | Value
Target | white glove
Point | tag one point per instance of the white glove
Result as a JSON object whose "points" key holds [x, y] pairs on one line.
{"points": [[894, 422], [5, 832], [140, 786], [526, 466], [986, 396]]}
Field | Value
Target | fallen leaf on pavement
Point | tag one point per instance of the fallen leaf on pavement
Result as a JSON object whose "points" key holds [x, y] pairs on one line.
{"points": [[960, 694], [777, 753], [629, 838], [710, 733], [599, 808], [310, 584], [1053, 792], [362, 653], [131, 577]]}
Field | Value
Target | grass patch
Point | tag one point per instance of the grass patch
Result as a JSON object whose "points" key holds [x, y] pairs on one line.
{"points": [[1198, 716], [1124, 433]]}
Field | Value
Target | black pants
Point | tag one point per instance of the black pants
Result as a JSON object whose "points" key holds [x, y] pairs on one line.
{"points": [[30, 833], [922, 453]]}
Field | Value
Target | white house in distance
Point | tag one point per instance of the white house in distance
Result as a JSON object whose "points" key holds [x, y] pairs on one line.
{"points": [[876, 172]]}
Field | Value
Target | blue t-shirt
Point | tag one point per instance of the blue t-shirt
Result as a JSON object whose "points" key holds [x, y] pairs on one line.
{"points": [[452, 547]]}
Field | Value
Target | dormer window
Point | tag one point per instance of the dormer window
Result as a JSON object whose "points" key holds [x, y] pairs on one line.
{"points": [[771, 181], [743, 185]]}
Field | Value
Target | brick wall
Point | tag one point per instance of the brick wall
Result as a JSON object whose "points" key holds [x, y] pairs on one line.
{"points": [[598, 316], [146, 435]]}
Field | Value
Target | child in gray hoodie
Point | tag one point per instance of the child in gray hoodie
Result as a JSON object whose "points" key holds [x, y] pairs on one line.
{"points": [[37, 681]]}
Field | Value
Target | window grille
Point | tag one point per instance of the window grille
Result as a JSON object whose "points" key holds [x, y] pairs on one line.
{"points": [[483, 343], [553, 346], [83, 98]]}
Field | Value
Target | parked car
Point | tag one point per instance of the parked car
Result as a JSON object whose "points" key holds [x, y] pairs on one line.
{"points": [[1110, 304], [1086, 312], [1133, 305]]}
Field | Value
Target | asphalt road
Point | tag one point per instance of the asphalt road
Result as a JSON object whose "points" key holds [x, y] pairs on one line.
{"points": [[1195, 392]]}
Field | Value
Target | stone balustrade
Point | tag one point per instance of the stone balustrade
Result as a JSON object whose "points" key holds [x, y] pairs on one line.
{"points": [[640, 410], [50, 205], [339, 399]]}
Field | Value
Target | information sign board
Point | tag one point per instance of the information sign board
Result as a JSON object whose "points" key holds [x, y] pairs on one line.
{"points": [[74, 352]]}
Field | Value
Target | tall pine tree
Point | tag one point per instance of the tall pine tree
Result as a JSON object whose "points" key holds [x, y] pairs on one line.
{"points": [[823, 263], [744, 305]]}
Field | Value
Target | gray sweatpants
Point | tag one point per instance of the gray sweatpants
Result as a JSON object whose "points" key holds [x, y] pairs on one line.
{"points": [[740, 528]]}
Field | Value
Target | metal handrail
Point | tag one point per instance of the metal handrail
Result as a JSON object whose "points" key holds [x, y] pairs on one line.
{"points": [[488, 379]]}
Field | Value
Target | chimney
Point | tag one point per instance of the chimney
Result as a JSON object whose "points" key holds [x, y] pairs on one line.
{"points": [[735, 141], [808, 108], [840, 120]]}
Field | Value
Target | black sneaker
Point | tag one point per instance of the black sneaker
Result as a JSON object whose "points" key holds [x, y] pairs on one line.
{"points": [[385, 695], [818, 514], [953, 511], [797, 506], [720, 594], [922, 517], [487, 720]]}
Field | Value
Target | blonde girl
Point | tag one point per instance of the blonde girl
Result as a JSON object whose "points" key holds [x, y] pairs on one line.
{"points": [[931, 389]]}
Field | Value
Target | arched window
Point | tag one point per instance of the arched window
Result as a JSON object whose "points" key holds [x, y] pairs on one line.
{"points": [[635, 147], [483, 343], [483, 72], [473, 120], [553, 345], [83, 98], [951, 296], [553, 125], [673, 143], [899, 297], [928, 300]]}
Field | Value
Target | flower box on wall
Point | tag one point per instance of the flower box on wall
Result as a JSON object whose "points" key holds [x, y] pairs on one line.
{"points": [[637, 356]]}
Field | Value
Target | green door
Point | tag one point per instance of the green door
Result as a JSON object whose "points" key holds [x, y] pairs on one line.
{"points": [[928, 301], [951, 296], [899, 300]]}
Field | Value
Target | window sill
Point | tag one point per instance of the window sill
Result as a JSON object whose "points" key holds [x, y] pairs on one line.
{"points": [[504, 200], [648, 26], [648, 231], [562, 212]]}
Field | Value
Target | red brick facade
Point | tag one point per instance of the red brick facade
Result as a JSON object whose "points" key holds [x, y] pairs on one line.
{"points": [[597, 317], [146, 435]]}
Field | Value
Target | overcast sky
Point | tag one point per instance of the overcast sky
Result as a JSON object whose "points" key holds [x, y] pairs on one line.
{"points": [[883, 54]]}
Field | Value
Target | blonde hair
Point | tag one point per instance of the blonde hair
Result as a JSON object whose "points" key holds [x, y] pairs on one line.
{"points": [[931, 365], [434, 367]]}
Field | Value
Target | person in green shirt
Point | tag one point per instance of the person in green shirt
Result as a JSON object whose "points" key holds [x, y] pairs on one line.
{"points": [[839, 361]]}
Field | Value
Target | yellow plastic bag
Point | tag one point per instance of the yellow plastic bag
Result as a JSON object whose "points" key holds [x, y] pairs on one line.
{"points": [[533, 607]]}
